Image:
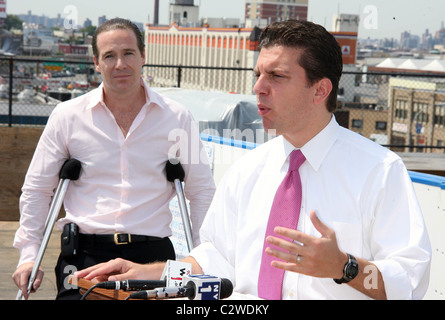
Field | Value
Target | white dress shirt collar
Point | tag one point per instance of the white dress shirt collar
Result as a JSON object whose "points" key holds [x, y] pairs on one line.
{"points": [[317, 148], [151, 96]]}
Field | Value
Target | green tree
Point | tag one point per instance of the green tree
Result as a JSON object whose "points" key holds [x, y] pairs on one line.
{"points": [[13, 22], [89, 30]]}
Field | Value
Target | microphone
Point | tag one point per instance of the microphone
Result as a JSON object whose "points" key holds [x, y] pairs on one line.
{"points": [[172, 276], [127, 285], [163, 293], [198, 287], [131, 285], [174, 272]]}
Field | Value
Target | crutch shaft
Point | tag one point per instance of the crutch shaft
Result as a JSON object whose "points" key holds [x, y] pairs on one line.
{"points": [[184, 214], [55, 207], [69, 171]]}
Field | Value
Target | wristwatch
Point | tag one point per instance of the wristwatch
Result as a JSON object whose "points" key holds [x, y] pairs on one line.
{"points": [[350, 271]]}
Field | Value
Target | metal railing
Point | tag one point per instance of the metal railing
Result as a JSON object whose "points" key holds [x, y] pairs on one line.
{"points": [[402, 111]]}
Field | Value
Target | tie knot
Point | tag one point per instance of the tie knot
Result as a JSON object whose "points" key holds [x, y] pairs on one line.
{"points": [[296, 160]]}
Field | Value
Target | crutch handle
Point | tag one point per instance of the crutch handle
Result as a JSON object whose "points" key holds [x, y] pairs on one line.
{"points": [[174, 170], [70, 170]]}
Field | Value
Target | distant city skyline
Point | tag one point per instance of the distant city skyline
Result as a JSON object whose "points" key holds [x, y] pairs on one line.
{"points": [[378, 18]]}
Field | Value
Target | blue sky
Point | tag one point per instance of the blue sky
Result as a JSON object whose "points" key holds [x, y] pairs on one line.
{"points": [[379, 18]]}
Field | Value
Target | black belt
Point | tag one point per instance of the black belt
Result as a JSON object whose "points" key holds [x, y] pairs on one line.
{"points": [[117, 238]]}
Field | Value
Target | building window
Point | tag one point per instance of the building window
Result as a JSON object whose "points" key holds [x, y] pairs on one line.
{"points": [[439, 115], [401, 111], [380, 125], [420, 112], [357, 123]]}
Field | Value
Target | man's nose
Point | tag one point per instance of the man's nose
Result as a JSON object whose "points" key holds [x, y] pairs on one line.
{"points": [[120, 62], [260, 86]]}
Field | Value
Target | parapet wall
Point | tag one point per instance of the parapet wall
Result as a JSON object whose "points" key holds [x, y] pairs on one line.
{"points": [[17, 145]]}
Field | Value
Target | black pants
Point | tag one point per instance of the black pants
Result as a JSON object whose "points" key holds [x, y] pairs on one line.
{"points": [[89, 255]]}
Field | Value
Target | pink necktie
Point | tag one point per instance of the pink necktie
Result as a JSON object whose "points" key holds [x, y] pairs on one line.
{"points": [[285, 212]]}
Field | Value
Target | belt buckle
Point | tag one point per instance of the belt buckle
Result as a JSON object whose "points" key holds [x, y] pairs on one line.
{"points": [[117, 240]]}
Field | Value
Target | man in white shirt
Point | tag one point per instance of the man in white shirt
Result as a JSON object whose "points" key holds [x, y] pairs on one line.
{"points": [[360, 232], [123, 133]]}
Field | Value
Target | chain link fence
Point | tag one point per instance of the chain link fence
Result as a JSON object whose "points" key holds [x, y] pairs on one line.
{"points": [[402, 111], [30, 89]]}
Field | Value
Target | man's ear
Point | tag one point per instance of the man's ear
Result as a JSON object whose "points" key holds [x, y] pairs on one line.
{"points": [[143, 58], [96, 64], [322, 90]]}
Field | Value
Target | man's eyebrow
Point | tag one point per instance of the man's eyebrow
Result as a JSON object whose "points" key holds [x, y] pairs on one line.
{"points": [[125, 50], [272, 71], [107, 52]]}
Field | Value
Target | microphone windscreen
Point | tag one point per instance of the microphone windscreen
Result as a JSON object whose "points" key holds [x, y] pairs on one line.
{"points": [[70, 170], [226, 288], [174, 170]]}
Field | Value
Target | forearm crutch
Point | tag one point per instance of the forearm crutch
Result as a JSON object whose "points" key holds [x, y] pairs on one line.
{"points": [[69, 172], [176, 174]]}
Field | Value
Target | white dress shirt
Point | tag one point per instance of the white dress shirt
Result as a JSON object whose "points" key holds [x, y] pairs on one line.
{"points": [[122, 185], [358, 188]]}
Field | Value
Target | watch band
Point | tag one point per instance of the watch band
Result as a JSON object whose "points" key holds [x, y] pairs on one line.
{"points": [[350, 270]]}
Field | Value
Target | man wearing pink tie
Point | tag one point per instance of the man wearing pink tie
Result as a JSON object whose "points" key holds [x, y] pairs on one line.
{"points": [[319, 212]]}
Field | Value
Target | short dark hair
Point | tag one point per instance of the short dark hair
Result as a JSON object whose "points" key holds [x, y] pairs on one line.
{"points": [[114, 24], [321, 57]]}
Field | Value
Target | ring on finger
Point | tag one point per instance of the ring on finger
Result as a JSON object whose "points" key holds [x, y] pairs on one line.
{"points": [[298, 258]]}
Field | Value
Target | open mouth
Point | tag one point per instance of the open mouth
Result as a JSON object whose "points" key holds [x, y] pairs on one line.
{"points": [[263, 110]]}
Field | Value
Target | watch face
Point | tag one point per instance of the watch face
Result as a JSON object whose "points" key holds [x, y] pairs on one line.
{"points": [[351, 270]]}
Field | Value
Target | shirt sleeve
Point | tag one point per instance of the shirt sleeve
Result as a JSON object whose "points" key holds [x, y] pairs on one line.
{"points": [[38, 188], [399, 240], [216, 253]]}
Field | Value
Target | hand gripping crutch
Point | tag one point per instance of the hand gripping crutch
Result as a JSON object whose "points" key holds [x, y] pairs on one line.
{"points": [[69, 172], [176, 174]]}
